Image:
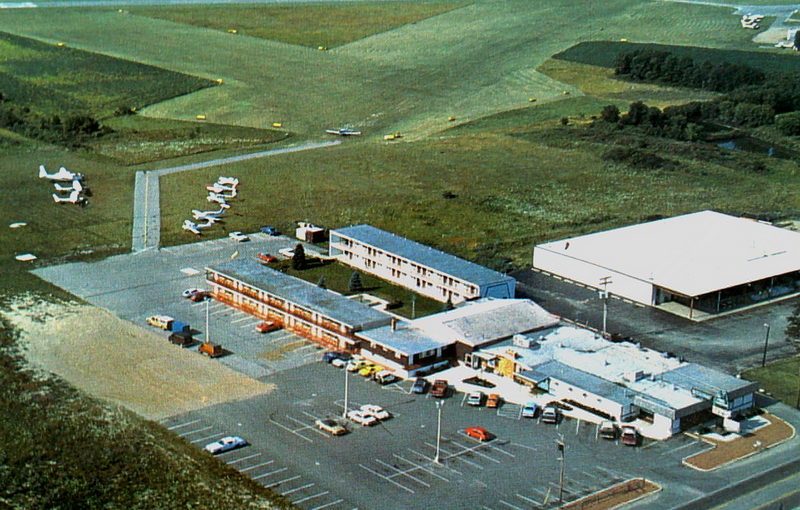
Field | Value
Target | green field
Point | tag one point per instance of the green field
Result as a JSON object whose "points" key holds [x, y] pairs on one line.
{"points": [[781, 379], [319, 24], [604, 53], [54, 80], [468, 62]]}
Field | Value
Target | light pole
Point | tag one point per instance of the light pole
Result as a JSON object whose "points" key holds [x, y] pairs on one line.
{"points": [[604, 281], [439, 405], [344, 412], [766, 342], [562, 449]]}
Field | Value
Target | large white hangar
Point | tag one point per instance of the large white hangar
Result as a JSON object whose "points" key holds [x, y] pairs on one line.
{"points": [[696, 265]]}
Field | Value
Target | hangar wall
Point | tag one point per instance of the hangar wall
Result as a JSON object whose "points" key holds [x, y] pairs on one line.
{"points": [[590, 274]]}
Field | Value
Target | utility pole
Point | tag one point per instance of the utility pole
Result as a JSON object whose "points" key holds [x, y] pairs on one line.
{"points": [[604, 281], [439, 405], [562, 449], [344, 412], [766, 342]]}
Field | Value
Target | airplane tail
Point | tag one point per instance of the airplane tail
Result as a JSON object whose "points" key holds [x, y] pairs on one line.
{"points": [[42, 172], [58, 199]]}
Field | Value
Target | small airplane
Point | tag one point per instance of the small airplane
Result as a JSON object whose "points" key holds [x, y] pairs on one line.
{"points": [[215, 197], [76, 185], [62, 175], [190, 226], [73, 198], [221, 189], [230, 181], [207, 215], [343, 132]]}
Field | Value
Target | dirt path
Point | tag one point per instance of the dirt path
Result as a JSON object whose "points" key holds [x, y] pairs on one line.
{"points": [[118, 361]]}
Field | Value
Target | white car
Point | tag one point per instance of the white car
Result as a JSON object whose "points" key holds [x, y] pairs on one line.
{"points": [[475, 398], [238, 237], [376, 411], [190, 292], [529, 410], [338, 362], [361, 417], [225, 444]]}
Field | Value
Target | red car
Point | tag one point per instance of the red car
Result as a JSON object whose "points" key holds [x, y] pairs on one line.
{"points": [[267, 326], [266, 258], [479, 433], [200, 296]]}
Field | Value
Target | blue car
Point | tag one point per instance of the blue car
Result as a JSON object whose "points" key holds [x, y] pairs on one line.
{"points": [[270, 231]]}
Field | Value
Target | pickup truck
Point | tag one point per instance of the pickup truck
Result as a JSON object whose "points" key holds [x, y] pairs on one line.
{"points": [[439, 388]]}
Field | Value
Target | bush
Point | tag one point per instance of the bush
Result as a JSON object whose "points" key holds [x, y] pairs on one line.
{"points": [[788, 123], [636, 158]]}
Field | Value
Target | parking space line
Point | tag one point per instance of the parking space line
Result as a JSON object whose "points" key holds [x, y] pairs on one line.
{"points": [[450, 468], [509, 505], [275, 484], [257, 466], [195, 430], [226, 453], [296, 489], [326, 505], [207, 437], [387, 479], [242, 319], [474, 449], [421, 467], [248, 325], [499, 450], [673, 450], [524, 446], [264, 475], [310, 497], [403, 472], [529, 500], [244, 458], [456, 455], [182, 425], [287, 429]]}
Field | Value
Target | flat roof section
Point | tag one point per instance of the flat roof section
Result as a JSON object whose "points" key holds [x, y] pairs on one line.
{"points": [[404, 339], [423, 255], [339, 308], [693, 254]]}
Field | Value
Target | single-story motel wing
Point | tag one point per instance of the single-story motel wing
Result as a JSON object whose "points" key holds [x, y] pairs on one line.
{"points": [[695, 265]]}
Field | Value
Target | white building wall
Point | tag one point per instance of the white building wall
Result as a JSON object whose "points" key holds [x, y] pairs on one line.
{"points": [[384, 265], [589, 274]]}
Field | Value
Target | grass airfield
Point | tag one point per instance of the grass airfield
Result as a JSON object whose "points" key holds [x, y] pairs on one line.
{"points": [[468, 62]]}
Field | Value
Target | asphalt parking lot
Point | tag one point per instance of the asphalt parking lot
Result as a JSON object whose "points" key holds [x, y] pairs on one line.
{"points": [[392, 464], [135, 286], [729, 343]]}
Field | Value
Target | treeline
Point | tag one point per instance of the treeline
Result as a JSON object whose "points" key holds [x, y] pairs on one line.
{"points": [[664, 67], [72, 131], [752, 98]]}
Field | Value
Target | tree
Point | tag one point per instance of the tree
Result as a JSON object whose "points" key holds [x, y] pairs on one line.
{"points": [[796, 44], [448, 305], [610, 113], [789, 123], [355, 284], [321, 282], [299, 257], [793, 327]]}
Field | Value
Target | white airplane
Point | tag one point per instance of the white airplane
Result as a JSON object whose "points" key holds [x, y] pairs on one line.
{"points": [[230, 181], [76, 186], [207, 215], [214, 197], [62, 175], [221, 191], [208, 223], [219, 188], [73, 198], [189, 226]]}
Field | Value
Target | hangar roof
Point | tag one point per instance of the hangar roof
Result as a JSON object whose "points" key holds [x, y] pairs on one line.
{"points": [[693, 254]]}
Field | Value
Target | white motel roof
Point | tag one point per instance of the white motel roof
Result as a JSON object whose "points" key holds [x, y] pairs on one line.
{"points": [[693, 254]]}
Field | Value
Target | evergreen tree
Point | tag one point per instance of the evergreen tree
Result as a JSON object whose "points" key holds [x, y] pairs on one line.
{"points": [[355, 284], [321, 282], [299, 257], [448, 305]]}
